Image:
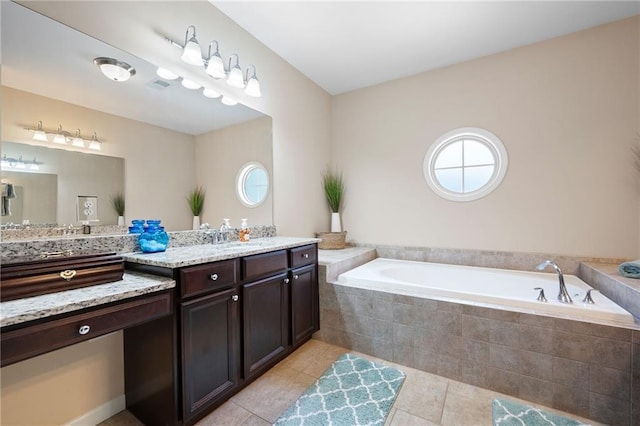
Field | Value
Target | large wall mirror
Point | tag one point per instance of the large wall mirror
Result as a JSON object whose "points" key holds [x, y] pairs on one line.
{"points": [[165, 138]]}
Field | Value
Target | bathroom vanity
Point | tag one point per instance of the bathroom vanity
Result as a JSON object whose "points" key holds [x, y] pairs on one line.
{"points": [[238, 311]]}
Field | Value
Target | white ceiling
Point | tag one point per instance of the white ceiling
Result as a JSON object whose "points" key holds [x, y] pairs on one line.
{"points": [[344, 46]]}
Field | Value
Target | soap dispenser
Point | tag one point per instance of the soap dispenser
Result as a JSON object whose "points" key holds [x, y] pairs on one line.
{"points": [[244, 231]]}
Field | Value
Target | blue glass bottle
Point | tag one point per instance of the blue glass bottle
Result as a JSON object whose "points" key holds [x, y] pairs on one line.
{"points": [[154, 238], [137, 227]]}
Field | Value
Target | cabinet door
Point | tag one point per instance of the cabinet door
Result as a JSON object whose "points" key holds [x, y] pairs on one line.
{"points": [[304, 303], [210, 350], [266, 322]]}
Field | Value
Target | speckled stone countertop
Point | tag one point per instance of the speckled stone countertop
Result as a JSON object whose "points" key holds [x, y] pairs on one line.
{"points": [[193, 255], [31, 308]]}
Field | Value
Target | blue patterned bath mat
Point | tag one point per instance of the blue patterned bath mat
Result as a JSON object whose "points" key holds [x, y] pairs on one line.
{"points": [[352, 391], [511, 413]]}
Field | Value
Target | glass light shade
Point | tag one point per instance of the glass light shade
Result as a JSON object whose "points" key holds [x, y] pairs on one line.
{"points": [[210, 93], [20, 165], [228, 101], [95, 145], [115, 72], [189, 84], [40, 135], [166, 74], [215, 67], [5, 164], [192, 54], [236, 78], [34, 166], [78, 141], [253, 87], [60, 139]]}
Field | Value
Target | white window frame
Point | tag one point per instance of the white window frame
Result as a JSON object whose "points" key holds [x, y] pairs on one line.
{"points": [[483, 136], [241, 181]]}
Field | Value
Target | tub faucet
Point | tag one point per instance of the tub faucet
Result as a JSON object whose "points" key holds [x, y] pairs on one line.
{"points": [[563, 294]]}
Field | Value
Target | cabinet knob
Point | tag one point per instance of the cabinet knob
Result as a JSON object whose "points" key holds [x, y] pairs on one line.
{"points": [[295, 277], [305, 255], [234, 297], [286, 280], [84, 329], [213, 277]]}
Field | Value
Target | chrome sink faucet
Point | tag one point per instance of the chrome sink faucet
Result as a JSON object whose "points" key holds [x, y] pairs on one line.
{"points": [[563, 294]]}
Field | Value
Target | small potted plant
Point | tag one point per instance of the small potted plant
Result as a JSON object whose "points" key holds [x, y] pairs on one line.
{"points": [[334, 191], [196, 204], [118, 204]]}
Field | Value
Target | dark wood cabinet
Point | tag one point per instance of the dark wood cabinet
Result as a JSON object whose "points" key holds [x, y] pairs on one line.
{"points": [[304, 304], [266, 322], [210, 350]]}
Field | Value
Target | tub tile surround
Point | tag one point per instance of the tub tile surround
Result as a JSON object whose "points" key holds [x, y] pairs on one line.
{"points": [[587, 369], [622, 290], [120, 243]]}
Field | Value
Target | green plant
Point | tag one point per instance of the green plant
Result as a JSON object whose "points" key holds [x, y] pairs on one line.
{"points": [[196, 200], [118, 203], [333, 189]]}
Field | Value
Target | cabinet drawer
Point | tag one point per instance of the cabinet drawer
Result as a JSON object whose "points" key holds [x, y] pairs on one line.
{"points": [[29, 341], [301, 256], [262, 265], [209, 277]]}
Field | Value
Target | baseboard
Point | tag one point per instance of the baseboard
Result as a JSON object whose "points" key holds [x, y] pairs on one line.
{"points": [[101, 413]]}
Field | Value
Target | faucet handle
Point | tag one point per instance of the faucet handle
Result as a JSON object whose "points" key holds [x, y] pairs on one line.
{"points": [[205, 226], [587, 298], [541, 296]]}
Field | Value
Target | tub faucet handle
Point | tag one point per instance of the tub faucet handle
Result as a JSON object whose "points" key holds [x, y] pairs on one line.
{"points": [[587, 298], [541, 296]]}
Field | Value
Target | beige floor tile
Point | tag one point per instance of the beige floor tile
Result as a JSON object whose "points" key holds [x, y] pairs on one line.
{"points": [[228, 413], [422, 394], [323, 361], [402, 418], [389, 418], [256, 421], [305, 355], [123, 418], [467, 407]]}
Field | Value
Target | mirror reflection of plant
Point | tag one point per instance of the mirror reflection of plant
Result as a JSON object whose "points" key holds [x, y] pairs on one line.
{"points": [[118, 203], [196, 200], [333, 188]]}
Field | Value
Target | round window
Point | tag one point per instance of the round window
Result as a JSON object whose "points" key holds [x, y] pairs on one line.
{"points": [[465, 164], [252, 184]]}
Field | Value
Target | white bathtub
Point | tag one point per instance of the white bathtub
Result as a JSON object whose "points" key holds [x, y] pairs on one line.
{"points": [[496, 288]]}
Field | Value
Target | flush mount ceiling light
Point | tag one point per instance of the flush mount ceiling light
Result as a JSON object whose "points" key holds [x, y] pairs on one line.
{"points": [[115, 70], [166, 74], [235, 79], [190, 84], [39, 134], [191, 53], [253, 85], [210, 93]]}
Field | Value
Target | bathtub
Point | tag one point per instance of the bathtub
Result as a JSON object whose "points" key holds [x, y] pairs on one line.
{"points": [[495, 288]]}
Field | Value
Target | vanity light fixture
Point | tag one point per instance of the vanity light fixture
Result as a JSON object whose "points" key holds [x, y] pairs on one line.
{"points": [[77, 140], [215, 64], [210, 93], [95, 144], [235, 79], [39, 134], [60, 137], [190, 84], [253, 85], [19, 164], [192, 54], [114, 69], [166, 74], [228, 101]]}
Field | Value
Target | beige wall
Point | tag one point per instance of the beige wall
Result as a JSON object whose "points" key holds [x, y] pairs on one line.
{"points": [[219, 156], [567, 112], [151, 189]]}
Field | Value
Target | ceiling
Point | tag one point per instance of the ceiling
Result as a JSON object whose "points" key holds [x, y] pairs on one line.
{"points": [[343, 46], [56, 61]]}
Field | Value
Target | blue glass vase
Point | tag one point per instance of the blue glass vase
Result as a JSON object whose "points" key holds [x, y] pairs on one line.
{"points": [[138, 226], [154, 238]]}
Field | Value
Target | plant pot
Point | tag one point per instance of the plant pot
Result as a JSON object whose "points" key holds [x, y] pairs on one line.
{"points": [[196, 223], [336, 225], [120, 220]]}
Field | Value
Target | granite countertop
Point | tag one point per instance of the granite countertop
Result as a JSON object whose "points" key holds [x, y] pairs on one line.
{"points": [[193, 255], [32, 308]]}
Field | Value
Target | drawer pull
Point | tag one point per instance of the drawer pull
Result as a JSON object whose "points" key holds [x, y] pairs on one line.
{"points": [[68, 274], [234, 297], [84, 329], [214, 277], [305, 255], [286, 280], [295, 277]]}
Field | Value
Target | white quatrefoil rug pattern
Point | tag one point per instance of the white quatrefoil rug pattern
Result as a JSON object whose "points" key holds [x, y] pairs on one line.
{"points": [[512, 413], [352, 391]]}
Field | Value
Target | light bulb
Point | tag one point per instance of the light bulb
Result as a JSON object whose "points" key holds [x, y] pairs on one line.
{"points": [[189, 84], [210, 93]]}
